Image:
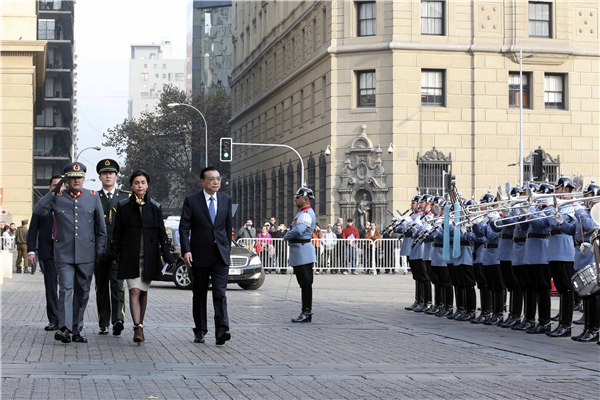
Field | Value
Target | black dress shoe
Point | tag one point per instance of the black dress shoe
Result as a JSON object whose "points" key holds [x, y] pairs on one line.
{"points": [[560, 331], [444, 312], [432, 310], [578, 306], [118, 328], [580, 321], [456, 314], [63, 335], [412, 306], [103, 331], [465, 317], [539, 328], [523, 326], [303, 317], [482, 318], [511, 321], [222, 337], [79, 338], [51, 327], [555, 318], [199, 337], [588, 336], [422, 307]]}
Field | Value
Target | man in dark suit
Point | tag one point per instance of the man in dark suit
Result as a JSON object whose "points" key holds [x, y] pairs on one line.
{"points": [[205, 233], [40, 247]]}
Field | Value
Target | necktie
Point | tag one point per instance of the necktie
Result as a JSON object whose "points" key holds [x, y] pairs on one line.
{"points": [[109, 195], [211, 209]]}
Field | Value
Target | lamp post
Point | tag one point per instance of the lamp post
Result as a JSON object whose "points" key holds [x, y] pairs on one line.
{"points": [[173, 105], [97, 148], [521, 182]]}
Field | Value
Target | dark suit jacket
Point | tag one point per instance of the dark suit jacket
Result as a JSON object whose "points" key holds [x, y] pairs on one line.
{"points": [[199, 235], [39, 237], [110, 208]]}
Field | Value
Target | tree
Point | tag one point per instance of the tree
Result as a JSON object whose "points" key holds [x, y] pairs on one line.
{"points": [[169, 144]]}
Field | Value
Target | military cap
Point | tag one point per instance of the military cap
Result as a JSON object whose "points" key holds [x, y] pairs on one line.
{"points": [[107, 165], [75, 170]]}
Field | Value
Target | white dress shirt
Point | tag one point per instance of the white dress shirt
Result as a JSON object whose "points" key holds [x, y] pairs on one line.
{"points": [[207, 197]]}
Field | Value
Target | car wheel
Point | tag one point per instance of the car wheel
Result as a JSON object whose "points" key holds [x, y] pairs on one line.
{"points": [[183, 276], [253, 285]]}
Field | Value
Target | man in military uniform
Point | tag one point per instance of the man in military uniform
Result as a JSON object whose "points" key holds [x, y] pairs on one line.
{"points": [[110, 294], [80, 237], [302, 251], [21, 242]]}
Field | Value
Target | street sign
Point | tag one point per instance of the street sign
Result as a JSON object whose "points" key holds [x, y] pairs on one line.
{"points": [[226, 149]]}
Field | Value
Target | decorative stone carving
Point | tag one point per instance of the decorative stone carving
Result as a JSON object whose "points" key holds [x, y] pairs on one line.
{"points": [[363, 180]]}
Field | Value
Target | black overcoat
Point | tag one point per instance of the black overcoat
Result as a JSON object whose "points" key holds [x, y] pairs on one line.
{"points": [[127, 235]]}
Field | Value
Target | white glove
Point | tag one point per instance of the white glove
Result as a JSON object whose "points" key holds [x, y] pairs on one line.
{"points": [[559, 219], [584, 247], [439, 222], [418, 221], [494, 216]]}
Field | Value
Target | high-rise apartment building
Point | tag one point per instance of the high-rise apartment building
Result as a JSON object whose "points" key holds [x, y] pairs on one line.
{"points": [[22, 72], [55, 128], [150, 68], [380, 98]]}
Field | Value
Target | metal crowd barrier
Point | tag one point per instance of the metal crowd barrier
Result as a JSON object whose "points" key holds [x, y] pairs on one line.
{"points": [[334, 255], [8, 243]]}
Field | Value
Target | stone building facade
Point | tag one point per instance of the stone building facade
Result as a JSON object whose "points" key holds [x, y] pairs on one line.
{"points": [[22, 73], [429, 85]]}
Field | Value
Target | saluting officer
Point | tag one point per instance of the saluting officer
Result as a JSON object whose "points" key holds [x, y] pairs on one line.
{"points": [[110, 293], [79, 238], [302, 251]]}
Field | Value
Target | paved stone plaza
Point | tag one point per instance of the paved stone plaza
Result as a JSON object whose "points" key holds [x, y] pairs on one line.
{"points": [[362, 344]]}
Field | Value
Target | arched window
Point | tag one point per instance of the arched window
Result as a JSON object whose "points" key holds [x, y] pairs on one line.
{"points": [[290, 191], [431, 166], [312, 180], [322, 184], [273, 193]]}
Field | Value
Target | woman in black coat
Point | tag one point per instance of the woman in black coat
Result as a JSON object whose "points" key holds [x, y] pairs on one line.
{"points": [[139, 239]]}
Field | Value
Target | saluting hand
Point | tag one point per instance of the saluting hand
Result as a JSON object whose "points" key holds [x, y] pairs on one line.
{"points": [[187, 257], [59, 186]]}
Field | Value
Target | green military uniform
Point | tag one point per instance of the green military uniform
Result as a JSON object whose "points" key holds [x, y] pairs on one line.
{"points": [[110, 293], [21, 243]]}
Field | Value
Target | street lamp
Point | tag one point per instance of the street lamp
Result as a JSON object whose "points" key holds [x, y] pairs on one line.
{"points": [[521, 182], [173, 105], [97, 148]]}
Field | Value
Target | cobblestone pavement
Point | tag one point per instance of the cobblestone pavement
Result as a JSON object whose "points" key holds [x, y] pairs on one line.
{"points": [[361, 345]]}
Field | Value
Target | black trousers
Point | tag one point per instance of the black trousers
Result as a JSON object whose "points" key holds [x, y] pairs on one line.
{"points": [[110, 293], [51, 284], [304, 276], [538, 281], [480, 276], [493, 277], [562, 271], [217, 273], [508, 275]]}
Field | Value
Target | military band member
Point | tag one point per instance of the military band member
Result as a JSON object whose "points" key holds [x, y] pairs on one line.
{"points": [[561, 258], [302, 252], [79, 238], [405, 251], [584, 226], [439, 266], [110, 293], [465, 274]]}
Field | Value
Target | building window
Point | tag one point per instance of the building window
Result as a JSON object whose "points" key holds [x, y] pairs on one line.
{"points": [[432, 17], [46, 29], [432, 87], [540, 19], [322, 183], [514, 92], [273, 193], [366, 88], [432, 166], [554, 91], [144, 76], [264, 195], [367, 23], [46, 118], [43, 146], [281, 194], [43, 173], [312, 178], [290, 190]]}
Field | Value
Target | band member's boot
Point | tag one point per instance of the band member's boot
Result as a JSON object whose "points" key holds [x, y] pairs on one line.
{"points": [[448, 299], [485, 299], [592, 318], [543, 325], [565, 313], [417, 296], [515, 309], [18, 270], [497, 307], [530, 307], [438, 301], [426, 297], [471, 305], [305, 316], [459, 296]]}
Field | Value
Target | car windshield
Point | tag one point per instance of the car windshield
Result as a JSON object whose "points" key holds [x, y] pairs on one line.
{"points": [[173, 234]]}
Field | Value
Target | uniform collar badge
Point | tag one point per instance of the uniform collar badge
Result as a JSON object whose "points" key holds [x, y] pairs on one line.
{"points": [[75, 195]]}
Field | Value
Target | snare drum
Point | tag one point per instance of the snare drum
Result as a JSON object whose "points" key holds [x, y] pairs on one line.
{"points": [[585, 281]]}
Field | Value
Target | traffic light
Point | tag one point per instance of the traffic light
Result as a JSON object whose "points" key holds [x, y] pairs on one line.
{"points": [[538, 165], [450, 181], [226, 147]]}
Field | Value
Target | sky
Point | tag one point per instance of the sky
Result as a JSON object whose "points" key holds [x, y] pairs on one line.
{"points": [[104, 33]]}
